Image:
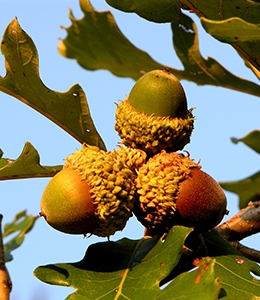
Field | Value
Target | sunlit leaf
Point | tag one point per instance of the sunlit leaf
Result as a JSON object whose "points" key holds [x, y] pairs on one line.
{"points": [[68, 110], [27, 165], [249, 11], [21, 225], [96, 42], [153, 10], [232, 30], [201, 70], [125, 269], [247, 189], [252, 140], [234, 272], [244, 36]]}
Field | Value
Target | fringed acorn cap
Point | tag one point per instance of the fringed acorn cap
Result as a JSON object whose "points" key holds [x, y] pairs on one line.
{"points": [[157, 187], [150, 133]]}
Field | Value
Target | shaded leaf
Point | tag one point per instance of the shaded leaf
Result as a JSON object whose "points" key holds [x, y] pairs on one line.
{"points": [[252, 140], [96, 42], [234, 271], [68, 110], [93, 50], [247, 189], [27, 165], [201, 70], [155, 11], [249, 11], [21, 225], [110, 271]]}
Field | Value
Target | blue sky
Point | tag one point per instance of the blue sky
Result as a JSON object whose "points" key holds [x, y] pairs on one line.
{"points": [[220, 114]]}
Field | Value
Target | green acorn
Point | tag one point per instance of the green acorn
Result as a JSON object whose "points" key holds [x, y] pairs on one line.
{"points": [[155, 116], [94, 192], [173, 190]]}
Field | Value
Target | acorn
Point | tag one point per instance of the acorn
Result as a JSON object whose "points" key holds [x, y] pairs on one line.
{"points": [[155, 116], [173, 190], [94, 192]]}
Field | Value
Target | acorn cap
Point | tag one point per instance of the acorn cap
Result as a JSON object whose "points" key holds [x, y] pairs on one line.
{"points": [[150, 133], [157, 186]]}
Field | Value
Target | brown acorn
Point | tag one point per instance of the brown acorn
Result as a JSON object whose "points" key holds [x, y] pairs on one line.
{"points": [[173, 190]]}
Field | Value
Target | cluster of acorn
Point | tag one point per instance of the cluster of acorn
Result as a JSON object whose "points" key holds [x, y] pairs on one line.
{"points": [[97, 191]]}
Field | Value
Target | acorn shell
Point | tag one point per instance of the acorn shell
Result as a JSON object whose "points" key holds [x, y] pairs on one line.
{"points": [[201, 202], [159, 93], [67, 205]]}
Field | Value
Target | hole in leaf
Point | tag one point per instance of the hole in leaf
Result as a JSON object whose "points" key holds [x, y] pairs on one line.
{"points": [[75, 94], [186, 29], [254, 275], [14, 31], [165, 285], [11, 236], [88, 130]]}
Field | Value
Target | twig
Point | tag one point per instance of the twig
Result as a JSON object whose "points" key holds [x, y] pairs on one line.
{"points": [[249, 253], [244, 224], [5, 281]]}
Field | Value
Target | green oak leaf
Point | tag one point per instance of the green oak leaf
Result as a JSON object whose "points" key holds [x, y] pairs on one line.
{"points": [[232, 30], [96, 42], [252, 140], [242, 35], [234, 271], [94, 50], [68, 110], [186, 44], [247, 189], [221, 10], [131, 269], [17, 229], [153, 10], [247, 11], [27, 165]]}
